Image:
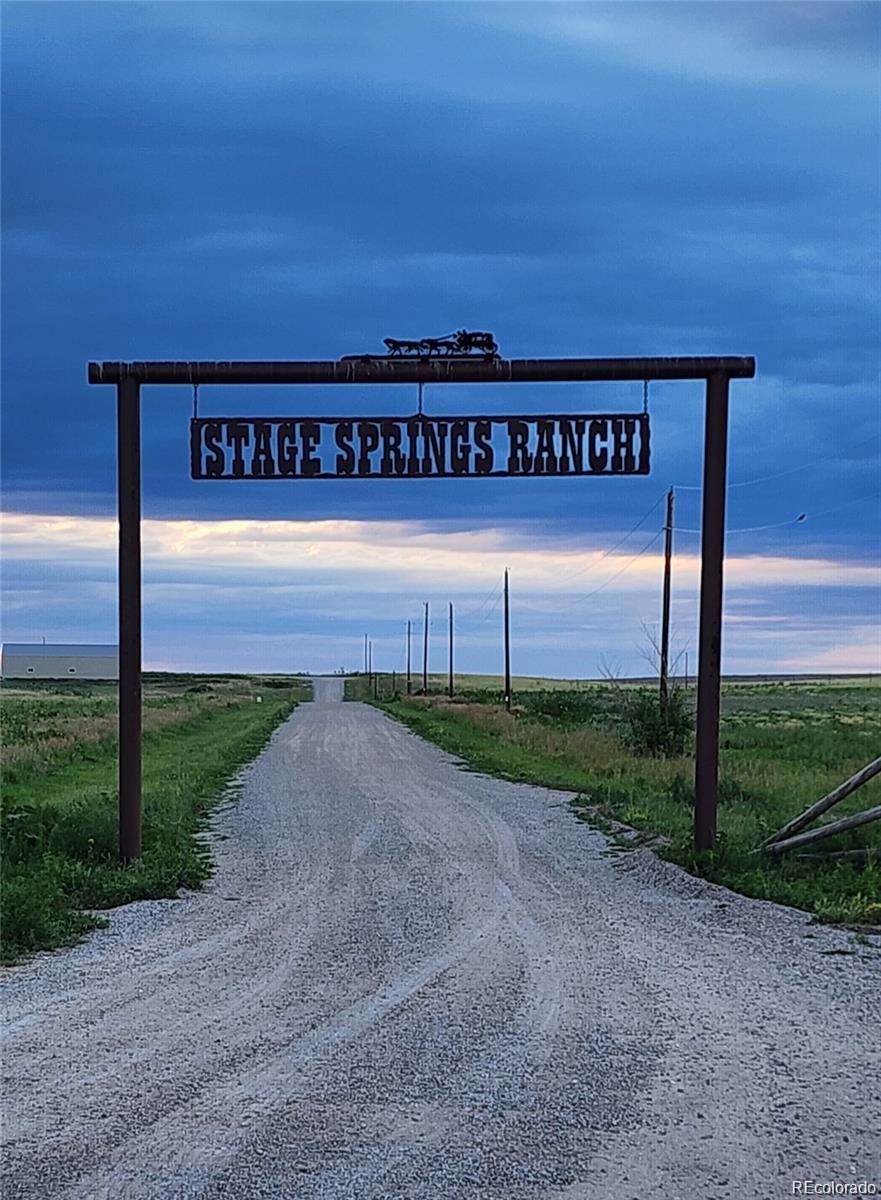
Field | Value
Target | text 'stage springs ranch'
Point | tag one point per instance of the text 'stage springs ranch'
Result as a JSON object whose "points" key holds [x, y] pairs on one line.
{"points": [[413, 447]]}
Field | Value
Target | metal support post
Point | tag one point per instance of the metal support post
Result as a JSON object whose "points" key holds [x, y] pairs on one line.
{"points": [[507, 647], [709, 678], [128, 414]]}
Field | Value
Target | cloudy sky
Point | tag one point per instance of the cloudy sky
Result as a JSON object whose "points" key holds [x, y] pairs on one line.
{"points": [[301, 180]]}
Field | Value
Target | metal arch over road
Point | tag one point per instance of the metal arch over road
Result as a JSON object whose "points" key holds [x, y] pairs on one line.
{"points": [[128, 377]]}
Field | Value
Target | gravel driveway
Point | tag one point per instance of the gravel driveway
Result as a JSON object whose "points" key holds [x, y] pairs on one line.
{"points": [[410, 981]]}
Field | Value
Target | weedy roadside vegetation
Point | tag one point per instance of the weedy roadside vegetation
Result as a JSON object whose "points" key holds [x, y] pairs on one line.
{"points": [[784, 744], [58, 815]]}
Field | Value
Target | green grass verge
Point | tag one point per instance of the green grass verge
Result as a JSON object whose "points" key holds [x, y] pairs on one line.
{"points": [[58, 825], [771, 771]]}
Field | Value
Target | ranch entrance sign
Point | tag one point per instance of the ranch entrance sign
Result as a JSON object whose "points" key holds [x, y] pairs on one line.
{"points": [[354, 447], [418, 447]]}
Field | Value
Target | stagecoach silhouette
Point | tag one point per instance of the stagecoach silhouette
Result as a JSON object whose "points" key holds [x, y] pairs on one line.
{"points": [[464, 342]]}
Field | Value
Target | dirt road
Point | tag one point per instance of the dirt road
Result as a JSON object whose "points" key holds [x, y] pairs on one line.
{"points": [[410, 981]]}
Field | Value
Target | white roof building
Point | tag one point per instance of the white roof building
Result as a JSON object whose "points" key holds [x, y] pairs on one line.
{"points": [[66, 661]]}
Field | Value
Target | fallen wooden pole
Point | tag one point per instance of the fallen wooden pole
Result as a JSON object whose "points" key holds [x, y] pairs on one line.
{"points": [[852, 855], [816, 810], [814, 835]]}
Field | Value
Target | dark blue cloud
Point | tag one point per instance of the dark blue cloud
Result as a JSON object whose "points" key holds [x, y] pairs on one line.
{"points": [[271, 181]]}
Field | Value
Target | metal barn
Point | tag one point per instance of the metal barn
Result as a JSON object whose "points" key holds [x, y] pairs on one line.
{"points": [[39, 661]]}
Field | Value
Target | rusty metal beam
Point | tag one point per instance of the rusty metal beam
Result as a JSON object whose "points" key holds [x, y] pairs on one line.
{"points": [[709, 679], [367, 369], [129, 500]]}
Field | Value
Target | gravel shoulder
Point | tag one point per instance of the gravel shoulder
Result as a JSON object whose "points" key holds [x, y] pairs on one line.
{"points": [[407, 980]]}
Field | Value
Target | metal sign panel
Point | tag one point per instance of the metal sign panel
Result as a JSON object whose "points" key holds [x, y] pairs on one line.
{"points": [[419, 447]]}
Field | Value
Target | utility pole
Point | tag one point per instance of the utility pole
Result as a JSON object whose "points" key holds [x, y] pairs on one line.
{"points": [[425, 653], [365, 654], [507, 646], [451, 649], [409, 676], [665, 611], [369, 663]]}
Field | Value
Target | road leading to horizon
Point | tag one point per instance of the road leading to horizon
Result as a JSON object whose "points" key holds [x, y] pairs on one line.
{"points": [[411, 981]]}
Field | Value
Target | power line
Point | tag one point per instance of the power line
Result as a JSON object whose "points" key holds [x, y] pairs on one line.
{"points": [[612, 549], [751, 528], [497, 588], [491, 612], [496, 593], [825, 512], [578, 600], [629, 563], [848, 504], [690, 487]]}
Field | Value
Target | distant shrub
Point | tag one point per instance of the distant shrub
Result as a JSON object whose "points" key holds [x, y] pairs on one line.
{"points": [[479, 695], [656, 729], [565, 707]]}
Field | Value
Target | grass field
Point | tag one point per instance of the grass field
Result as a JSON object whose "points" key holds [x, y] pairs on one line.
{"points": [[520, 683], [437, 682], [784, 744], [58, 821]]}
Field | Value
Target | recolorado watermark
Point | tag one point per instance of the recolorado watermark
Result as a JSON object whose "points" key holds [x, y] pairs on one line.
{"points": [[829, 1187]]}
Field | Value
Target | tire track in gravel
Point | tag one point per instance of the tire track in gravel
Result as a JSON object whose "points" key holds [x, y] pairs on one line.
{"points": [[406, 980]]}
